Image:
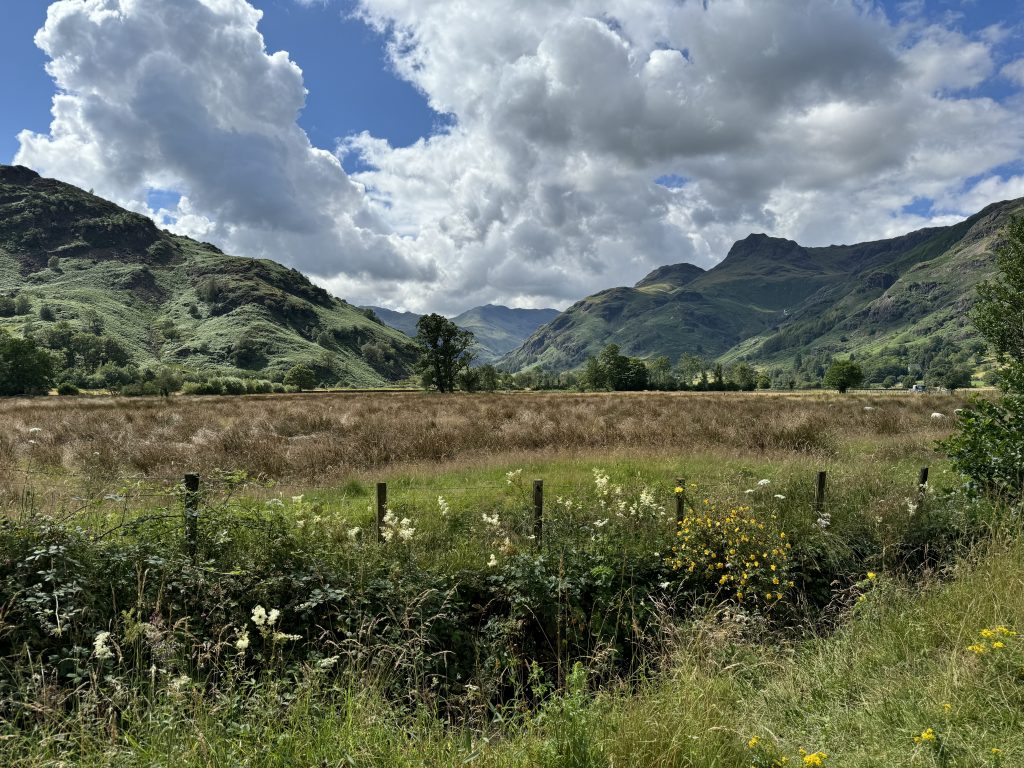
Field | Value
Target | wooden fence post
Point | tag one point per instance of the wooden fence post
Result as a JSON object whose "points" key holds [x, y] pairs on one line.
{"points": [[922, 482], [680, 500], [819, 492], [382, 508], [538, 511], [191, 500]]}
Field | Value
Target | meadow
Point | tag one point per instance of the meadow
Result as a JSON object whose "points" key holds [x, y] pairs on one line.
{"points": [[726, 621]]}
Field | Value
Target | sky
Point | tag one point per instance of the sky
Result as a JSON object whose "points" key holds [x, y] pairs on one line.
{"points": [[432, 155]]}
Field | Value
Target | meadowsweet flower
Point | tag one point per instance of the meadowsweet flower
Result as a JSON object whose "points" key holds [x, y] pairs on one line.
{"points": [[259, 615], [353, 533], [328, 662], [280, 637], [491, 520], [601, 523], [298, 499], [272, 616], [493, 562], [664, 585], [242, 643], [513, 475], [101, 648], [443, 507]]}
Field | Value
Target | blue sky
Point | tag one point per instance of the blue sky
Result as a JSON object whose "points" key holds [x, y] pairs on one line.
{"points": [[322, 38], [574, 147]]}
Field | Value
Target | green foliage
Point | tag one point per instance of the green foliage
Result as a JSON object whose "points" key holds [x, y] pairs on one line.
{"points": [[8, 307], [843, 375], [22, 304], [1000, 304], [301, 377], [24, 368], [444, 351]]}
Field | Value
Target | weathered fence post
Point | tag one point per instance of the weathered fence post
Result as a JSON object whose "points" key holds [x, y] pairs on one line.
{"points": [[922, 483], [191, 499], [538, 511], [680, 499], [819, 492], [382, 508]]}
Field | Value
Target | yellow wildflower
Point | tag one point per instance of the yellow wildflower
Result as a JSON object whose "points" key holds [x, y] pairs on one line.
{"points": [[754, 740], [928, 734]]}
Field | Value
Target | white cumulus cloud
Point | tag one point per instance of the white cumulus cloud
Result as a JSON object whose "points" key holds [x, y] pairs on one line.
{"points": [[819, 120]]}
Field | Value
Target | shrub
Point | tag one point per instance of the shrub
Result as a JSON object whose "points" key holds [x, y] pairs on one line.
{"points": [[301, 377], [67, 388]]}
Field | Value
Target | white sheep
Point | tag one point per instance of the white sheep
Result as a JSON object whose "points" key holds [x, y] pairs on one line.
{"points": [[938, 416], [869, 408]]}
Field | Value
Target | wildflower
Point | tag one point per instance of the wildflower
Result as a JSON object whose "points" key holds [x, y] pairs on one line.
{"points": [[763, 483], [297, 499], [259, 616], [513, 475], [998, 644], [273, 616], [100, 648], [947, 707], [34, 430], [664, 585], [754, 740], [242, 643], [328, 662], [280, 637], [678, 489], [780, 497], [928, 734], [493, 562], [353, 533], [601, 523], [824, 521], [443, 507], [179, 682], [814, 759], [977, 648], [491, 520], [872, 575]]}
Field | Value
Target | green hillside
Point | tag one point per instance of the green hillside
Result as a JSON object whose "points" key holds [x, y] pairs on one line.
{"points": [[76, 264], [771, 299]]}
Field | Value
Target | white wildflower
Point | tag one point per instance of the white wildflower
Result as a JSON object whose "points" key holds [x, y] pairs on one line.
{"points": [[274, 504], [34, 430], [513, 475], [328, 662], [601, 482], [101, 648], [491, 520], [824, 521], [911, 507], [780, 497], [242, 643], [664, 585], [493, 562], [763, 483], [749, 490], [442, 505], [298, 499], [259, 616], [353, 533], [280, 637], [179, 682], [273, 616], [601, 523]]}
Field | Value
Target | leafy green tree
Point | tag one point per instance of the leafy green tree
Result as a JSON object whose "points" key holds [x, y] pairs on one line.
{"points": [[988, 445], [593, 377], [488, 378], [300, 376], [843, 374], [24, 368], [444, 351], [8, 307], [22, 305], [955, 378]]}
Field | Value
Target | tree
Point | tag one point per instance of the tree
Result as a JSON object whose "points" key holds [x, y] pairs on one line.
{"points": [[301, 377], [593, 377], [22, 304], [444, 351], [488, 378], [986, 447], [24, 368], [843, 374]]}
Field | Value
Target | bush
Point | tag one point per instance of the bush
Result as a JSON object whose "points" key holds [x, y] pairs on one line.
{"points": [[301, 377], [67, 388]]}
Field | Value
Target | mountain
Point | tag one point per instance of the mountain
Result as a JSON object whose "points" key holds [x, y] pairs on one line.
{"points": [[400, 321], [80, 264], [498, 330], [771, 299]]}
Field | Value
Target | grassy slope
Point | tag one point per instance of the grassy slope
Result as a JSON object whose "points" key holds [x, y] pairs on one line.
{"points": [[771, 298], [136, 278], [860, 695]]}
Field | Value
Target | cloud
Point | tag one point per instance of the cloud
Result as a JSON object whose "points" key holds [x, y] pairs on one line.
{"points": [[1014, 72], [184, 96], [819, 120], [814, 120]]}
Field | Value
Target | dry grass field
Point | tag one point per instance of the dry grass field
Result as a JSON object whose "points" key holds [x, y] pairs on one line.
{"points": [[325, 439]]}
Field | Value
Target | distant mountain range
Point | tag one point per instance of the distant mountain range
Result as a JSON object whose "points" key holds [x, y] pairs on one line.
{"points": [[72, 263], [76, 259], [498, 330], [771, 299]]}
